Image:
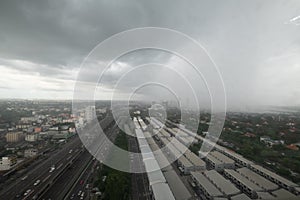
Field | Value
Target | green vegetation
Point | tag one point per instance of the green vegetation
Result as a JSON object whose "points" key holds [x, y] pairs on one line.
{"points": [[117, 184]]}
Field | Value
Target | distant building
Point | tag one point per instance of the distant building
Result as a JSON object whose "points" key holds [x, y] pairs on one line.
{"points": [[292, 147], [90, 113], [31, 137], [28, 119], [14, 136], [30, 153], [270, 142], [23, 126], [37, 129], [6, 163]]}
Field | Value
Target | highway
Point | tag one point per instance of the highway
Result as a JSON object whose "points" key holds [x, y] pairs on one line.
{"points": [[62, 185], [41, 172], [77, 175], [79, 189], [47, 174]]}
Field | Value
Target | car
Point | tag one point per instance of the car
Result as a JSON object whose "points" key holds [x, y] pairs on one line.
{"points": [[37, 182], [82, 195], [81, 182], [79, 193], [27, 192], [24, 178], [52, 168]]}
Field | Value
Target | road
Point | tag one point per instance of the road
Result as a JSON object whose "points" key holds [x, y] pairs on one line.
{"points": [[78, 174], [87, 174], [62, 185], [40, 172]]}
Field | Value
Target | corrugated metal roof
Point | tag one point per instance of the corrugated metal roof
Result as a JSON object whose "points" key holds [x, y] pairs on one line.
{"points": [[223, 184]]}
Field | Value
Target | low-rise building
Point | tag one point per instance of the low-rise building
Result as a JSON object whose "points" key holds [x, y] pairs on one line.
{"points": [[257, 179], [6, 163], [198, 163], [30, 153], [227, 162], [214, 163], [209, 190], [23, 126], [283, 182], [240, 197], [31, 137], [243, 183], [224, 185], [185, 165], [284, 194]]}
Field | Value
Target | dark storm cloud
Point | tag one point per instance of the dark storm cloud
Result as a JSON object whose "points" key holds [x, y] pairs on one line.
{"points": [[44, 40]]}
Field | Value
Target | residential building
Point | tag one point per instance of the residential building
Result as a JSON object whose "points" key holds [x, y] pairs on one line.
{"points": [[14, 136], [6, 163]]}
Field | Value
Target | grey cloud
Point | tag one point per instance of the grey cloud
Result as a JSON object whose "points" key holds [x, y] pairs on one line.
{"points": [[241, 36]]}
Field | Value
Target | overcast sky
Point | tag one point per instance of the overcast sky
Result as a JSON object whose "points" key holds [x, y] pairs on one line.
{"points": [[255, 44]]}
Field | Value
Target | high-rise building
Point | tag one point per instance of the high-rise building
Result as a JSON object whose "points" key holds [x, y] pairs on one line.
{"points": [[90, 113], [14, 136]]}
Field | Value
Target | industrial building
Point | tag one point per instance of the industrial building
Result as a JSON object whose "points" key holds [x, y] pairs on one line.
{"points": [[157, 182], [257, 179], [185, 165], [175, 183], [207, 188], [224, 185], [284, 194], [198, 163], [283, 182], [214, 163], [243, 183], [228, 163], [240, 197]]}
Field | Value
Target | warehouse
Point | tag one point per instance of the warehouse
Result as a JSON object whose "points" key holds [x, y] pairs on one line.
{"points": [[157, 182], [236, 157], [228, 163], [161, 191], [240, 197], [177, 186], [195, 160], [185, 165], [274, 177], [208, 189], [214, 163], [257, 179], [284, 194], [243, 183], [264, 195], [224, 185]]}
